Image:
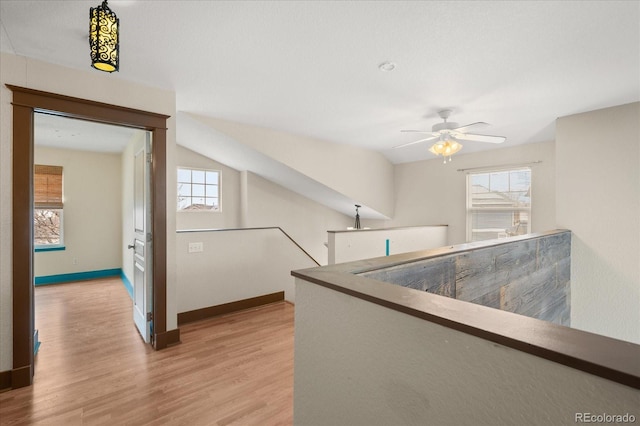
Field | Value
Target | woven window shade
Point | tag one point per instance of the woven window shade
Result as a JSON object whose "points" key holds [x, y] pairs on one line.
{"points": [[47, 187]]}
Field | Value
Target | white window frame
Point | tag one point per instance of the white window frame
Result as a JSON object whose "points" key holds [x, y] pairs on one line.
{"points": [[50, 246], [470, 210], [219, 185]]}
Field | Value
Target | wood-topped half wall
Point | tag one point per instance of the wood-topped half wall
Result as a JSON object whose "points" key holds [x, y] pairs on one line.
{"points": [[609, 358]]}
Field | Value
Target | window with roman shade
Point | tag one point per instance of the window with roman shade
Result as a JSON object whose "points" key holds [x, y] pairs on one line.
{"points": [[48, 205]]}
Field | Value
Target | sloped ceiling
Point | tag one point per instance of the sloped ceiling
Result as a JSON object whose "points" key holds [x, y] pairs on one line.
{"points": [[311, 67], [208, 141]]}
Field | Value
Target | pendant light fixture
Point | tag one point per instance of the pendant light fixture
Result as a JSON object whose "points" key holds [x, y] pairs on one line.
{"points": [[445, 147], [104, 38]]}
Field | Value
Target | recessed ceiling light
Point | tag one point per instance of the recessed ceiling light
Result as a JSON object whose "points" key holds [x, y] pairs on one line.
{"points": [[387, 66]]}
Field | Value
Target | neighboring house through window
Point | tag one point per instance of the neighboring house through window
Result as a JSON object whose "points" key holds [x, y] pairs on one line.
{"points": [[198, 190], [498, 203], [48, 207]]}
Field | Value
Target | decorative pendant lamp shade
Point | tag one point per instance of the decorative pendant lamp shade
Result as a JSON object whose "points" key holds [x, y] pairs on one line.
{"points": [[104, 38]]}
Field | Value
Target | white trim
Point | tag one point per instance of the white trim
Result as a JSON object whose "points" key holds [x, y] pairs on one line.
{"points": [[500, 168]]}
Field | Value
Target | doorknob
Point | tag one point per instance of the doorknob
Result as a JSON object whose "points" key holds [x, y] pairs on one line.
{"points": [[130, 246]]}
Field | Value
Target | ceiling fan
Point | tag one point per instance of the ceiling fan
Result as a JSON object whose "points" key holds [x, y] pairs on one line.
{"points": [[448, 136]]}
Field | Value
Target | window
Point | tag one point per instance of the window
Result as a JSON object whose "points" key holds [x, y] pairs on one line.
{"points": [[498, 204], [47, 217], [198, 190]]}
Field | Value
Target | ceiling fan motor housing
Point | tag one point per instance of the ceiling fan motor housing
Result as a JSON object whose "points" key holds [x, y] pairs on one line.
{"points": [[444, 126], [444, 114]]}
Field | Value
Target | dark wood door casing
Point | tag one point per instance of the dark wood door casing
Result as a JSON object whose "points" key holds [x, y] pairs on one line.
{"points": [[25, 103]]}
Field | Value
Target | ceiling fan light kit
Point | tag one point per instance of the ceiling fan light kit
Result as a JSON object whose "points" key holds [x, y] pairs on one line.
{"points": [[445, 148], [449, 135]]}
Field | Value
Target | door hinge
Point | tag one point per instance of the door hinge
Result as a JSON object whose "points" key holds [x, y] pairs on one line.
{"points": [[149, 316], [149, 237], [149, 157]]}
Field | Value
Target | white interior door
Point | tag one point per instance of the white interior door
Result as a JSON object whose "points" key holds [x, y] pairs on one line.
{"points": [[142, 244]]}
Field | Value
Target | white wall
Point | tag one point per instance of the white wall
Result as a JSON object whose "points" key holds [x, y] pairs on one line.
{"points": [[96, 86], [598, 199], [347, 246], [306, 221], [434, 193], [249, 201], [92, 220], [358, 363], [235, 265], [229, 216]]}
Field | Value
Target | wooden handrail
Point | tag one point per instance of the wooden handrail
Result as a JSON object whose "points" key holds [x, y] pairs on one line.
{"points": [[252, 229]]}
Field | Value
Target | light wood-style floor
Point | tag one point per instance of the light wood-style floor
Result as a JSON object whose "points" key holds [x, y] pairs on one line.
{"points": [[94, 369]]}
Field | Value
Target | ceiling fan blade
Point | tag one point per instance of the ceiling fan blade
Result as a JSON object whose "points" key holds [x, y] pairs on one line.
{"points": [[480, 138], [418, 141], [465, 128]]}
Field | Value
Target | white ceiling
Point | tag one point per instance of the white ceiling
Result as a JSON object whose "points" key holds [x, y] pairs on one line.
{"points": [[311, 67], [69, 133]]}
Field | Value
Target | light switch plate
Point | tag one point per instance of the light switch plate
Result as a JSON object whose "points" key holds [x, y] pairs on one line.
{"points": [[196, 247]]}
